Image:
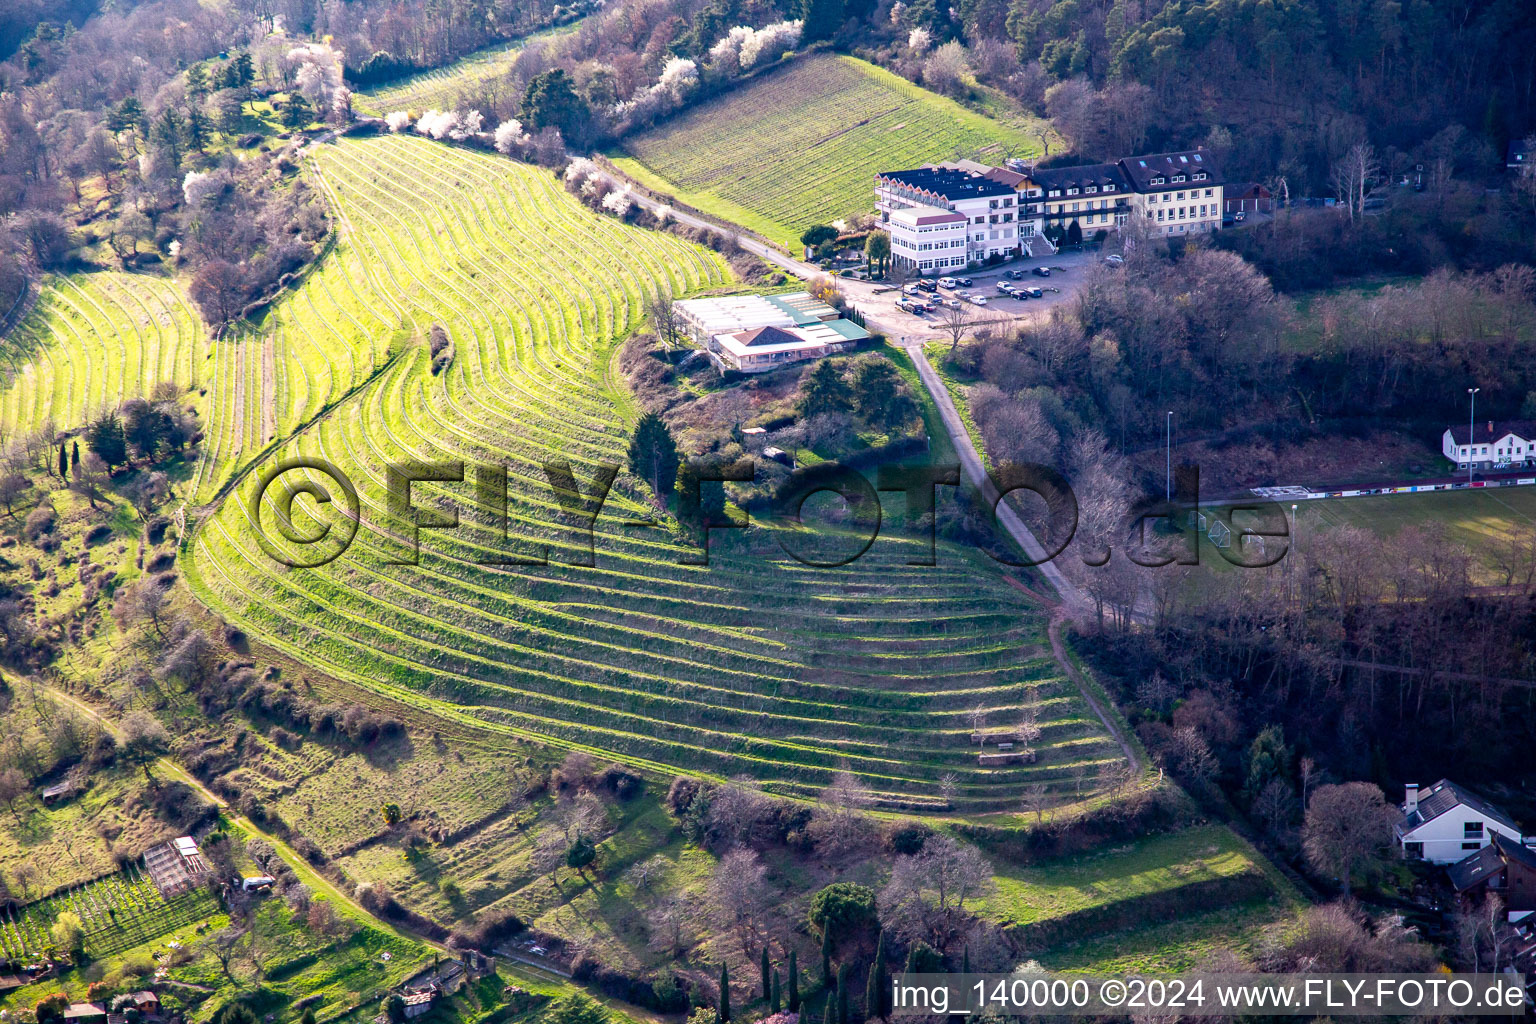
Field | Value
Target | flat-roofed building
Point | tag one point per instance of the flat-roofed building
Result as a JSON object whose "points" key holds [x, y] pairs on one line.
{"points": [[728, 314]]}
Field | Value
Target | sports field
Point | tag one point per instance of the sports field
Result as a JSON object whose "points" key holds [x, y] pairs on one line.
{"points": [[755, 663], [801, 145], [1480, 519]]}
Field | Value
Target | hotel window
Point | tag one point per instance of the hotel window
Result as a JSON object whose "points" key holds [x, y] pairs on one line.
{"points": [[1472, 830], [1109, 188], [1091, 189], [1181, 194]]}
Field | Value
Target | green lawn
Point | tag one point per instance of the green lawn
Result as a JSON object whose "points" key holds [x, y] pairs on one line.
{"points": [[1479, 519], [1151, 865], [801, 145]]}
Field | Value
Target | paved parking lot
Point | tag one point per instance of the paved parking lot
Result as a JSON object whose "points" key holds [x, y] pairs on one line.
{"points": [[1068, 269]]}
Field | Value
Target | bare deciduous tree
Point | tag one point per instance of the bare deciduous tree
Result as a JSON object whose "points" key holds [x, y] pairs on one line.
{"points": [[1356, 178]]}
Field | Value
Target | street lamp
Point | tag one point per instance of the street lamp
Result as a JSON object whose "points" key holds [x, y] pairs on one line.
{"points": [[1471, 428], [1168, 461]]}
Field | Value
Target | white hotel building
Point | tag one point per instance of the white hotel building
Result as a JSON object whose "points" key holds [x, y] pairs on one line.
{"points": [[943, 218]]}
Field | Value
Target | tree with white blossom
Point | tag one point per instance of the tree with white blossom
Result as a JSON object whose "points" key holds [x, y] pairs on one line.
{"points": [[509, 135], [397, 120], [618, 203], [767, 44], [468, 124]]}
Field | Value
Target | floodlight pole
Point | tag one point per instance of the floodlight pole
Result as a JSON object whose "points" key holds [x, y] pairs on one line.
{"points": [[1168, 461], [1471, 429]]}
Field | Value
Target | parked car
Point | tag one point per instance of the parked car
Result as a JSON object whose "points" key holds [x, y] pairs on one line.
{"points": [[952, 303], [1041, 271], [1016, 275], [948, 282], [910, 289], [928, 286], [980, 300], [964, 282], [1115, 259], [1035, 293], [1005, 287], [1240, 216]]}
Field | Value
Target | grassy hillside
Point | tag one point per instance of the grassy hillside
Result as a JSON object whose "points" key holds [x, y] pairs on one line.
{"points": [[801, 146], [754, 663], [464, 82]]}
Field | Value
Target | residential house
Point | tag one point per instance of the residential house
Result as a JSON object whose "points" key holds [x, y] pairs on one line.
{"points": [[145, 1002], [1246, 197], [85, 1013], [927, 242], [1446, 822], [1491, 445], [1506, 868], [1176, 193]]}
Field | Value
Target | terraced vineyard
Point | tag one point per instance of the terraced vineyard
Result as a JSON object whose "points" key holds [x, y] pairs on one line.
{"points": [[801, 146], [118, 912], [754, 663], [91, 340]]}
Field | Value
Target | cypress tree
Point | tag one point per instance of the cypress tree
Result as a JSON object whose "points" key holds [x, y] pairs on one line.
{"points": [[773, 998], [878, 981], [763, 967], [63, 461], [827, 1016], [842, 994], [826, 953], [74, 457], [965, 961], [871, 995], [723, 1014], [911, 967], [794, 984]]}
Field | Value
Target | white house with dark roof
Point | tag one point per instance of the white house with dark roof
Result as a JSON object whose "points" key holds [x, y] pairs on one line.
{"points": [[1491, 445], [1445, 823]]}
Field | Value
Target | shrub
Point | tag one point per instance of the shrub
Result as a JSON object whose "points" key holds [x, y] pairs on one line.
{"points": [[681, 793], [844, 907]]}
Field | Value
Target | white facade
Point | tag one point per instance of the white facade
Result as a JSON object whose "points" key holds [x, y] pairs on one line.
{"points": [[929, 238], [1182, 211], [1507, 448], [1444, 825], [985, 214]]}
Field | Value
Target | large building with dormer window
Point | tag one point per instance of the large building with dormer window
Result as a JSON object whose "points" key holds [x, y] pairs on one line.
{"points": [[1176, 193], [947, 216], [943, 218], [1095, 197]]}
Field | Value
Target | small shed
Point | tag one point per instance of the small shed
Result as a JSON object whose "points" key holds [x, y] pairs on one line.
{"points": [[145, 1002], [86, 1013], [418, 1003], [779, 455], [59, 792]]}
